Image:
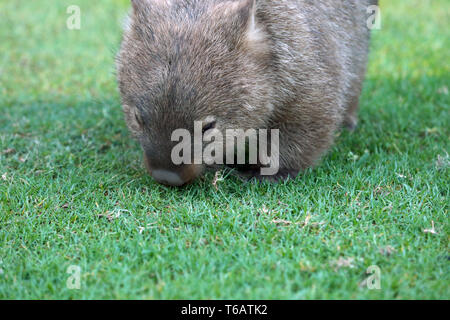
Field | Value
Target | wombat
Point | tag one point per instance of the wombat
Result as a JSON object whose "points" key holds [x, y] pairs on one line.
{"points": [[292, 65]]}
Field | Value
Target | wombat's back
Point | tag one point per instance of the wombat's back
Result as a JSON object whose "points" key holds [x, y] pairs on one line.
{"points": [[320, 50], [317, 37]]}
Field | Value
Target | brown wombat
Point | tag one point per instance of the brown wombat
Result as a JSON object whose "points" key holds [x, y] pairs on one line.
{"points": [[292, 65]]}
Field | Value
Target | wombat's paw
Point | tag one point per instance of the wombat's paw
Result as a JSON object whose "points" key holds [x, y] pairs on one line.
{"points": [[351, 122], [255, 175], [246, 175], [282, 175]]}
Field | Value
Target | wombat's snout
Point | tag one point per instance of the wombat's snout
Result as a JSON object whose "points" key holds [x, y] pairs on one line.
{"points": [[175, 176]]}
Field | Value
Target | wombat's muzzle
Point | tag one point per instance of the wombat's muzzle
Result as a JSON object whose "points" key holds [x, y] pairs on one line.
{"points": [[175, 176]]}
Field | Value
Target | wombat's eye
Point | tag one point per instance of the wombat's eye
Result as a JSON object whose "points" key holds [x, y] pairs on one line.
{"points": [[208, 126], [138, 119]]}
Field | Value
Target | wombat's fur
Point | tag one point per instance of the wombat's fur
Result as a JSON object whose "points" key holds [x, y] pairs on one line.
{"points": [[293, 65]]}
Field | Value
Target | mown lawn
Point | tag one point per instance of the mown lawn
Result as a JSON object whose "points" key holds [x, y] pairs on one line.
{"points": [[73, 190]]}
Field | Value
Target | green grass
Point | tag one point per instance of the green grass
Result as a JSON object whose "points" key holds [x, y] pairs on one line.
{"points": [[74, 192]]}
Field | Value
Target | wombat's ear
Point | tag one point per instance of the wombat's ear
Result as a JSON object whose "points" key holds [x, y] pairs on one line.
{"points": [[242, 15], [140, 5], [240, 11], [244, 10]]}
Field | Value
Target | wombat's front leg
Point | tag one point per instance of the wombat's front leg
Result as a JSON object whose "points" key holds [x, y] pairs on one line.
{"points": [[281, 167], [298, 150]]}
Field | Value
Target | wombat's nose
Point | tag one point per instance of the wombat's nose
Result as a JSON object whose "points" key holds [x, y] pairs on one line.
{"points": [[168, 178], [175, 176]]}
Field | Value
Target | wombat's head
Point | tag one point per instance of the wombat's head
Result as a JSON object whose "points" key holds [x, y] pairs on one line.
{"points": [[183, 61]]}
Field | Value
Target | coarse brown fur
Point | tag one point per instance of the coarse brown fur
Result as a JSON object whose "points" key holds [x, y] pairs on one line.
{"points": [[293, 65]]}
